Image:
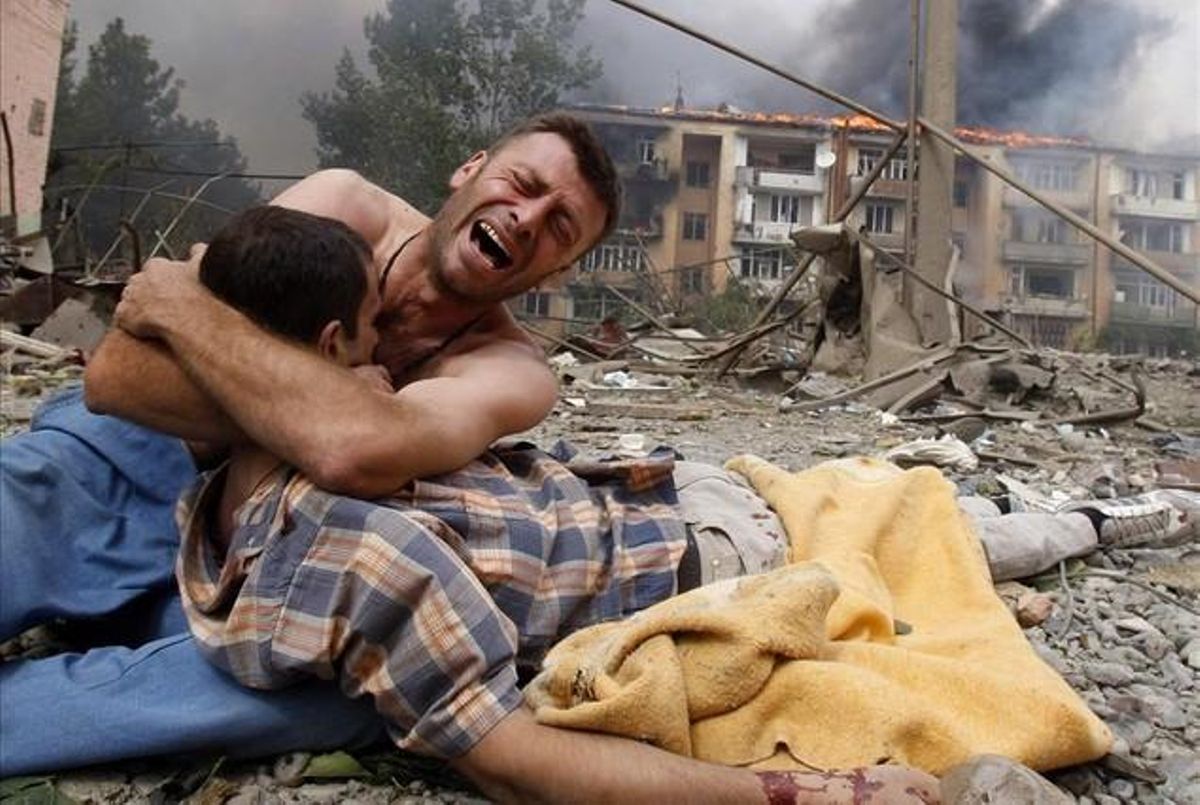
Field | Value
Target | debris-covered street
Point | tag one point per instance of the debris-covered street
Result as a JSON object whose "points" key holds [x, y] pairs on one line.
{"points": [[1122, 626]]}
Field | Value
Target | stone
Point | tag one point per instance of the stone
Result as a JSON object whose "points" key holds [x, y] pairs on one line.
{"points": [[289, 768], [1191, 653], [1033, 608], [993, 778], [1135, 731], [1122, 788], [1108, 673]]}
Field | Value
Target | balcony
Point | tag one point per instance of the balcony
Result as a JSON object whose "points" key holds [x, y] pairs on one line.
{"points": [[1183, 265], [883, 188], [1151, 207], [1071, 199], [764, 232], [1182, 314], [778, 179], [1057, 253], [1030, 305]]}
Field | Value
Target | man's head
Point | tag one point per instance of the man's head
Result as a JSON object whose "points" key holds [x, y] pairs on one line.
{"points": [[299, 275], [541, 197]]}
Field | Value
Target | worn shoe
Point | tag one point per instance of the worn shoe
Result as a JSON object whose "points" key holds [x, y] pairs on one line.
{"points": [[1162, 517]]}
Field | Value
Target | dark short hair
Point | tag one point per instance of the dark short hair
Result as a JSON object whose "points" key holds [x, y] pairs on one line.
{"points": [[594, 162], [289, 271]]}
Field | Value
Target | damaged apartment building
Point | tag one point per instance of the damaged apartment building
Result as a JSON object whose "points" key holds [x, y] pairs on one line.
{"points": [[712, 195]]}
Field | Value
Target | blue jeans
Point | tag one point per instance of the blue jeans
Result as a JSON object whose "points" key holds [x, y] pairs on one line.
{"points": [[87, 534]]}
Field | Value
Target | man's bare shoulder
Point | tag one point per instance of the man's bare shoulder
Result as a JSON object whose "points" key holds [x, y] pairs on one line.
{"points": [[382, 218]]}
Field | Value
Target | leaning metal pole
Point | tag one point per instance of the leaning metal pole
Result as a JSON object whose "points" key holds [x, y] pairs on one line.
{"points": [[1141, 262]]}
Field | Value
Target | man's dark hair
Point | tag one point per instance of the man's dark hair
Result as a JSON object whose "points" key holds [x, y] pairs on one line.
{"points": [[594, 162], [291, 272]]}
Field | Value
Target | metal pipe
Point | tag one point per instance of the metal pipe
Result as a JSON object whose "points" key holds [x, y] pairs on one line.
{"points": [[186, 206], [12, 167], [849, 103], [124, 189], [914, 49], [1149, 266], [149, 194]]}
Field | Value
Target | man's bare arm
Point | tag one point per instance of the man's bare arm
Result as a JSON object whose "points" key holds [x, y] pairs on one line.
{"points": [[525, 762], [140, 380], [324, 419]]}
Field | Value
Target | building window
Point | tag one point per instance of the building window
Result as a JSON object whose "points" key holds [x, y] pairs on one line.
{"points": [[868, 158], [961, 191], [1044, 281], [1154, 236], [617, 254], [695, 226], [1035, 226], [1050, 282], [1139, 182], [1177, 185], [897, 168], [645, 152], [691, 281], [803, 161], [37, 118], [535, 303], [1136, 289], [879, 218], [697, 174], [790, 209], [762, 265], [1043, 175]]}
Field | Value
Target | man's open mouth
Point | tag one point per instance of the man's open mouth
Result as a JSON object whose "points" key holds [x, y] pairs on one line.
{"points": [[488, 241]]}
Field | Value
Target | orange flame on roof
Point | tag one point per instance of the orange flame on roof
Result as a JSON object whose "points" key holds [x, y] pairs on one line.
{"points": [[975, 135], [1017, 139]]}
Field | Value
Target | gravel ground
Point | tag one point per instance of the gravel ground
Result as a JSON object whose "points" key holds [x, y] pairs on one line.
{"points": [[1122, 628]]}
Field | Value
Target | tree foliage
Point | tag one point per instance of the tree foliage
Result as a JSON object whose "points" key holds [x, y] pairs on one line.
{"points": [[119, 125], [447, 80]]}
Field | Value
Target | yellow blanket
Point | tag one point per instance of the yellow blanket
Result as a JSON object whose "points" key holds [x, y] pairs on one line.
{"points": [[882, 641]]}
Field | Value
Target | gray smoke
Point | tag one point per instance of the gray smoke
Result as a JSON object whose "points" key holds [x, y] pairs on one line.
{"points": [[1024, 64], [1119, 71]]}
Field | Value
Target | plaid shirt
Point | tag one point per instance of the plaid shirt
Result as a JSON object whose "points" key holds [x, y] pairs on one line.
{"points": [[426, 601]]}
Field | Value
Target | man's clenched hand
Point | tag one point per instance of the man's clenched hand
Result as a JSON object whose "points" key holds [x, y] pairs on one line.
{"points": [[163, 292]]}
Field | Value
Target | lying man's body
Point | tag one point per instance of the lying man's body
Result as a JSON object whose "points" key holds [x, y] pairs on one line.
{"points": [[424, 603]]}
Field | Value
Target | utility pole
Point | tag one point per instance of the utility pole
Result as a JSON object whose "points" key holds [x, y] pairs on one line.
{"points": [[935, 184]]}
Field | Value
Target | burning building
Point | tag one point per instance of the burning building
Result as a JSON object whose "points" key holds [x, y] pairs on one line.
{"points": [[712, 195]]}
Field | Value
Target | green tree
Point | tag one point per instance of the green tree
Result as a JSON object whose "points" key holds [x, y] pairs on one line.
{"points": [[119, 125], [448, 79]]}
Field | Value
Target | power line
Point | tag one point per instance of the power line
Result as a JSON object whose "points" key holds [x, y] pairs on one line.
{"points": [[209, 174], [145, 144]]}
